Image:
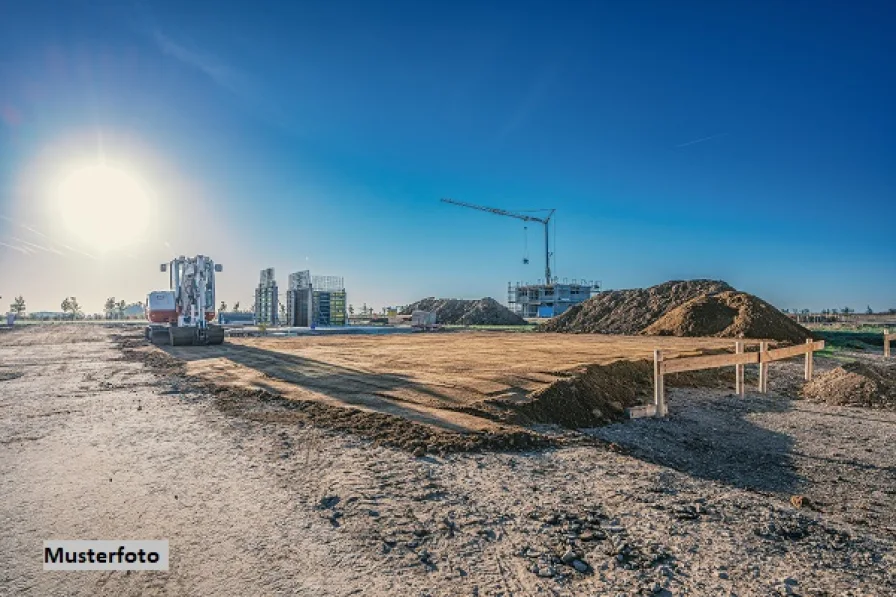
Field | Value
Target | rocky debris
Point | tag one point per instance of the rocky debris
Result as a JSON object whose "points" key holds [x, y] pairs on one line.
{"points": [[574, 543], [729, 314], [8, 374], [800, 501], [855, 384], [565, 537], [630, 311], [793, 526], [485, 311]]}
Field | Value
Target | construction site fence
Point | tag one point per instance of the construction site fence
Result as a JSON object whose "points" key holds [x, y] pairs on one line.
{"points": [[738, 360]]}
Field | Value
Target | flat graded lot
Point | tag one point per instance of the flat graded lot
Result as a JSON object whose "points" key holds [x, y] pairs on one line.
{"points": [[765, 495], [449, 380]]}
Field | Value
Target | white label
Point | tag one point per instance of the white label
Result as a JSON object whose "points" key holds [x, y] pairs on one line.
{"points": [[106, 555]]}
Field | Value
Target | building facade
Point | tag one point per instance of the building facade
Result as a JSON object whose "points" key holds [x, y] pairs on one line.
{"points": [[548, 300], [266, 303]]}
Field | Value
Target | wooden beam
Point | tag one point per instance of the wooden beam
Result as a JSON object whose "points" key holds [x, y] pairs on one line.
{"points": [[739, 371], [638, 412], [709, 362], [810, 364], [659, 395], [763, 368], [777, 354]]}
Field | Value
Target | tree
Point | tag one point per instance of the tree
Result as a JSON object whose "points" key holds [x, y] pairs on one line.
{"points": [[236, 306], [66, 305], [18, 306], [364, 309], [76, 308], [351, 309], [869, 311], [223, 306], [109, 307], [120, 307], [282, 313]]}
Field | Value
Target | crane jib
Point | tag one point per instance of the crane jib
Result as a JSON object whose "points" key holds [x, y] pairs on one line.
{"points": [[527, 218]]}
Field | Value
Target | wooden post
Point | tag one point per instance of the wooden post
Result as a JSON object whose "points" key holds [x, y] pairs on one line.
{"points": [[739, 371], [886, 342], [810, 363], [763, 368], [659, 396]]}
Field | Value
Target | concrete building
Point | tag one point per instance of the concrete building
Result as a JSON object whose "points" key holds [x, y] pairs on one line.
{"points": [[313, 301], [547, 300], [266, 304]]}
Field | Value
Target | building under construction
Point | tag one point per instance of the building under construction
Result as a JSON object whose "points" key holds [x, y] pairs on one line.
{"points": [[313, 301], [543, 299], [266, 299], [548, 300]]}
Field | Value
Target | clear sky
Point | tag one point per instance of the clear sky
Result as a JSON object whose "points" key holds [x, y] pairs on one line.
{"points": [[753, 142]]}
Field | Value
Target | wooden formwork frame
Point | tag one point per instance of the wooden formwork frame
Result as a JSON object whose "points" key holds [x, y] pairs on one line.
{"points": [[740, 358]]}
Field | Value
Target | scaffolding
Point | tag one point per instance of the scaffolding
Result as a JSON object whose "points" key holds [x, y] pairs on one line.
{"points": [[548, 300], [327, 283], [300, 280]]}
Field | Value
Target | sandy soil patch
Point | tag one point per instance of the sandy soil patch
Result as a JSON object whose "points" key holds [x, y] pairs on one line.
{"points": [[458, 382]]}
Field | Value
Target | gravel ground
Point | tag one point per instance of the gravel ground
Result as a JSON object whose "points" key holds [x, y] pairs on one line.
{"points": [[95, 446]]}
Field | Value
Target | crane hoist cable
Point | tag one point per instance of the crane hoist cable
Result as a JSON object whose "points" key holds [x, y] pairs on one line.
{"points": [[525, 245]]}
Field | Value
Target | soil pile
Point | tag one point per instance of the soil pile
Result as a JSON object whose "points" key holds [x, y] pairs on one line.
{"points": [[486, 311], [729, 314], [855, 384], [630, 311], [599, 394]]}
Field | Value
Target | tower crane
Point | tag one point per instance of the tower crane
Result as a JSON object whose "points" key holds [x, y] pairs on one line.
{"points": [[526, 218]]}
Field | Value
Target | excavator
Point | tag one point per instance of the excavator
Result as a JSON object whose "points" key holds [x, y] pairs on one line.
{"points": [[180, 316]]}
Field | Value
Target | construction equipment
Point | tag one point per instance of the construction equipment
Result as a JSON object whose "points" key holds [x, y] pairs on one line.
{"points": [[526, 218], [180, 316]]}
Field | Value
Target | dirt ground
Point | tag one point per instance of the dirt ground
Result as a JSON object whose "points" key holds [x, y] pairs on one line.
{"points": [[453, 381], [95, 444]]}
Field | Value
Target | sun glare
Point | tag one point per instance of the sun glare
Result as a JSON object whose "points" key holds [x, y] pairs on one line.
{"points": [[104, 206]]}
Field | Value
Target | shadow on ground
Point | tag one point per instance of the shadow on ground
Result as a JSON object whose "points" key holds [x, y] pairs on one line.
{"points": [[709, 435], [343, 386]]}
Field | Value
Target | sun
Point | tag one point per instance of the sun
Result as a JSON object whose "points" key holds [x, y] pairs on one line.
{"points": [[105, 207]]}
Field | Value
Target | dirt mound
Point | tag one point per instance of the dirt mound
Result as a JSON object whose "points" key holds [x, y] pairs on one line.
{"points": [[630, 311], [729, 314], [855, 384], [599, 394], [486, 311], [261, 405]]}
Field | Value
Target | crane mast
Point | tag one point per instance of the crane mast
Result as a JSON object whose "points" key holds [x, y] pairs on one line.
{"points": [[526, 218]]}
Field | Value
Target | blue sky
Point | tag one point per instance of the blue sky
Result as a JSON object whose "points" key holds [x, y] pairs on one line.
{"points": [[753, 142]]}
